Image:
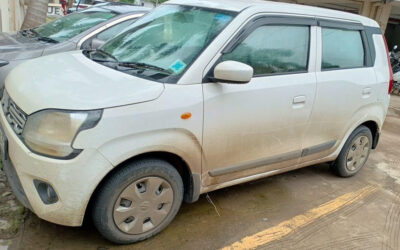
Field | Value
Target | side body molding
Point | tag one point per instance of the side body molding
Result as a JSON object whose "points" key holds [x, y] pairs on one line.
{"points": [[273, 160]]}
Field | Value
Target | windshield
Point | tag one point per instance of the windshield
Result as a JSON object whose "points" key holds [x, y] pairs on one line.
{"points": [[168, 39], [72, 25]]}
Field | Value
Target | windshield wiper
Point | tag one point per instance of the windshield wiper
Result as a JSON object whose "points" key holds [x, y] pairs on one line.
{"points": [[107, 54], [23, 33], [47, 39], [34, 32], [42, 38], [133, 65], [100, 51], [28, 33], [144, 66]]}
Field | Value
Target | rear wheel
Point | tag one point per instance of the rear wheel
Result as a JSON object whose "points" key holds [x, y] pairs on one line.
{"points": [[355, 153], [138, 201]]}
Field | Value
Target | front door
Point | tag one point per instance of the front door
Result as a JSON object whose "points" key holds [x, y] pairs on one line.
{"points": [[257, 127]]}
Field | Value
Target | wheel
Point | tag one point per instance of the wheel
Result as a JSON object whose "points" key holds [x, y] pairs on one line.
{"points": [[396, 91], [355, 153], [138, 201]]}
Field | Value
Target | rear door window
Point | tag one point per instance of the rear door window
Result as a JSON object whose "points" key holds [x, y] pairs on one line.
{"points": [[342, 49]]}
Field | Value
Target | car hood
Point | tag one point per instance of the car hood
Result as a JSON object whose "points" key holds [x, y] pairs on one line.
{"points": [[16, 47], [72, 81]]}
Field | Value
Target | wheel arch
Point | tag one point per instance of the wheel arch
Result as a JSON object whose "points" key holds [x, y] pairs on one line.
{"points": [[191, 181], [375, 130], [372, 123]]}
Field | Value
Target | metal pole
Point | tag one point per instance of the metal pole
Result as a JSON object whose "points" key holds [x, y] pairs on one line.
{"points": [[77, 6]]}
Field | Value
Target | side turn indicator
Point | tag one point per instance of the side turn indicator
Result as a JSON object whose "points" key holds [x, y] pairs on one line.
{"points": [[186, 116]]}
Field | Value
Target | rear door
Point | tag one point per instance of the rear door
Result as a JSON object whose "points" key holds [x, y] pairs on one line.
{"points": [[346, 84], [257, 127]]}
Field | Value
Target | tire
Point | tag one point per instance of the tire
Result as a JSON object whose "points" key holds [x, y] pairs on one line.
{"points": [[343, 166], [138, 181]]}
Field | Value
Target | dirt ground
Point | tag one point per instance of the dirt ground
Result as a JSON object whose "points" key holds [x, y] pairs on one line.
{"points": [[305, 209]]}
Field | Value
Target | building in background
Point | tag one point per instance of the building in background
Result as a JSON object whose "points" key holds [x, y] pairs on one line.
{"points": [[12, 14], [385, 12], [55, 8]]}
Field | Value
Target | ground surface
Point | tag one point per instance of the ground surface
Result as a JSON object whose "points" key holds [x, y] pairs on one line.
{"points": [[12, 213], [305, 209]]}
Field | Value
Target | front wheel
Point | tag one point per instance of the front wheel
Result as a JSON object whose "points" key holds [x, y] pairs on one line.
{"points": [[138, 201], [355, 153]]}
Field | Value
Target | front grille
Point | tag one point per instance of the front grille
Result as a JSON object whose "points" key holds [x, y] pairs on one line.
{"points": [[14, 115]]}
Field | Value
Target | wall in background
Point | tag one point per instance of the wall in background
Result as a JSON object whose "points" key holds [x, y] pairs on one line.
{"points": [[12, 14]]}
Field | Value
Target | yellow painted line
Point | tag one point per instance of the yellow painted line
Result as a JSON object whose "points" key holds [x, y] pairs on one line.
{"points": [[288, 226]]}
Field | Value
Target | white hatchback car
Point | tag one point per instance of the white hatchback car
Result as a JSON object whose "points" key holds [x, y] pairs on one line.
{"points": [[197, 96]]}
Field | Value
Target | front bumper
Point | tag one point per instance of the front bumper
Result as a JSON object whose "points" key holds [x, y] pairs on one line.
{"points": [[74, 181], [15, 183]]}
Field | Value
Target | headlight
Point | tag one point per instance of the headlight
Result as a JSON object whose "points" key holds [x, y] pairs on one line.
{"points": [[3, 63], [52, 132]]}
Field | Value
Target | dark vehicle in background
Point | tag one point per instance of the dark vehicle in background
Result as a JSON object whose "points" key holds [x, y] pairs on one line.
{"points": [[395, 61], [87, 29], [83, 4]]}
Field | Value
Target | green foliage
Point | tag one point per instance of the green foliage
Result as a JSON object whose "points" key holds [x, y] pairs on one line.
{"points": [[157, 1], [128, 1]]}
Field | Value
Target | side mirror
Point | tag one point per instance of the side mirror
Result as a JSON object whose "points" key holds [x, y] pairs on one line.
{"points": [[3, 63], [96, 43], [233, 72]]}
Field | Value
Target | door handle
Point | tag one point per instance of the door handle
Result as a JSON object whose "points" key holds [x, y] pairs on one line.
{"points": [[366, 91], [299, 99]]}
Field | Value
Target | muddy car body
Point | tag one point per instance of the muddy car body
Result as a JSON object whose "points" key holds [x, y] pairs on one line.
{"points": [[189, 100]]}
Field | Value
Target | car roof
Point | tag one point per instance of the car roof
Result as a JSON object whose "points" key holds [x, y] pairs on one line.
{"points": [[276, 7], [120, 8]]}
